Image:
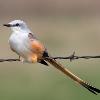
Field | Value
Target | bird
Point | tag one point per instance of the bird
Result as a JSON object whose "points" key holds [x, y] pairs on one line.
{"points": [[29, 49]]}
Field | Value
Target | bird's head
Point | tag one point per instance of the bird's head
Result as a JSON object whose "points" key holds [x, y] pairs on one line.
{"points": [[17, 25]]}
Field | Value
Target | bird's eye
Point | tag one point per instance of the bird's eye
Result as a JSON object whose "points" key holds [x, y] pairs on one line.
{"points": [[17, 24]]}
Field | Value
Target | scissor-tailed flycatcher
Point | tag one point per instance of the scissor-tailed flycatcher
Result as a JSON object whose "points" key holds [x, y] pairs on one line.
{"points": [[30, 49]]}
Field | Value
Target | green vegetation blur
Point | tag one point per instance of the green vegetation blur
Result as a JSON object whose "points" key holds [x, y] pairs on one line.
{"points": [[63, 26]]}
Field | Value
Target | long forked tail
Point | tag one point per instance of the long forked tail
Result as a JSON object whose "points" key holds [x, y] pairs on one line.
{"points": [[72, 76]]}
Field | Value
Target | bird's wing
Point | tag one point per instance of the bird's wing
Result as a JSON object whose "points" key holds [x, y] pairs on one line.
{"points": [[37, 47], [31, 36]]}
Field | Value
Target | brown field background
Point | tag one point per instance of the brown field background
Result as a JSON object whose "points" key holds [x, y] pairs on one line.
{"points": [[63, 26]]}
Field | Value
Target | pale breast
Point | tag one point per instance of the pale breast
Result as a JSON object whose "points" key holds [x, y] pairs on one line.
{"points": [[19, 44], [30, 49]]}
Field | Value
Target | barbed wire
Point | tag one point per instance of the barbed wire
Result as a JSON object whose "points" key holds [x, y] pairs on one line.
{"points": [[9, 60], [71, 58], [74, 57]]}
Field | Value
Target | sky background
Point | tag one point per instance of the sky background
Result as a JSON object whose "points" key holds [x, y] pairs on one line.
{"points": [[63, 26]]}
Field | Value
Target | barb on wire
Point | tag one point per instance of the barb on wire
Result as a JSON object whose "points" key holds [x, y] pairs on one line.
{"points": [[71, 58]]}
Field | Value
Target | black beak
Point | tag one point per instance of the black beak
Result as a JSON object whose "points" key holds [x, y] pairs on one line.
{"points": [[7, 25]]}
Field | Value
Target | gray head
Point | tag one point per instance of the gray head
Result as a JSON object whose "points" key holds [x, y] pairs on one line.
{"points": [[17, 25]]}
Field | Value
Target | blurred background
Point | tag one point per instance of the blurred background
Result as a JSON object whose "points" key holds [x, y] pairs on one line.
{"points": [[63, 26]]}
